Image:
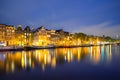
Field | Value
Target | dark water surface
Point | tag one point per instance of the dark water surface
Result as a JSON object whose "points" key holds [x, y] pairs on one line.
{"points": [[83, 63]]}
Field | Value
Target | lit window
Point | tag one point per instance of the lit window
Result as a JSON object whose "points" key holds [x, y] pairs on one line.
{"points": [[12, 30]]}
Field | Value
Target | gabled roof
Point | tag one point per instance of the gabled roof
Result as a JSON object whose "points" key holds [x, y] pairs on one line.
{"points": [[38, 29], [27, 28]]}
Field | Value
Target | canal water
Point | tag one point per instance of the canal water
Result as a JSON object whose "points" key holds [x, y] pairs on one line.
{"points": [[82, 63]]}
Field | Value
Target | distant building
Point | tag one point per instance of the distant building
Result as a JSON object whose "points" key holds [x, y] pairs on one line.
{"points": [[7, 35], [10, 35], [19, 36], [64, 37], [2, 35], [28, 36], [52, 36], [40, 37]]}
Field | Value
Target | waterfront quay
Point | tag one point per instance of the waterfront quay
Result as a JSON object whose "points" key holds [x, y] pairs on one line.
{"points": [[16, 48]]}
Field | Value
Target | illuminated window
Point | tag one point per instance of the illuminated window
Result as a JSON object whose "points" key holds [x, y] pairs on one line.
{"points": [[12, 30]]}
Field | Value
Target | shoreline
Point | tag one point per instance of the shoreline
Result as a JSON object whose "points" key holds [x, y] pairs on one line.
{"points": [[48, 47]]}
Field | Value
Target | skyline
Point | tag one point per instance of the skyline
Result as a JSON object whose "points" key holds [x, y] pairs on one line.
{"points": [[87, 16]]}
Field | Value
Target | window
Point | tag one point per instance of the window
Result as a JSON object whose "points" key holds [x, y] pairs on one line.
{"points": [[13, 31]]}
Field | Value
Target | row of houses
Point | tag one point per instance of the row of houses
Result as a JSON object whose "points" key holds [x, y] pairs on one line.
{"points": [[17, 36]]}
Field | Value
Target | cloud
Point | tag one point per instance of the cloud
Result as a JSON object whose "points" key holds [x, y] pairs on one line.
{"points": [[104, 28]]}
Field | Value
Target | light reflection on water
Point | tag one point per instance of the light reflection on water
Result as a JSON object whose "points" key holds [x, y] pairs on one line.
{"points": [[17, 61]]}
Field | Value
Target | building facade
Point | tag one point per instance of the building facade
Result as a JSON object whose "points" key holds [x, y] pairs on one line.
{"points": [[10, 35], [28, 36], [7, 35], [19, 36], [40, 37], [2, 35]]}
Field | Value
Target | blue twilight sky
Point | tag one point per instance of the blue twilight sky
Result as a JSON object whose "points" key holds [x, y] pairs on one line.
{"points": [[97, 17]]}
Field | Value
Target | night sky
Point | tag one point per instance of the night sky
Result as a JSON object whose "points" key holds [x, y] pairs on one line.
{"points": [[97, 17]]}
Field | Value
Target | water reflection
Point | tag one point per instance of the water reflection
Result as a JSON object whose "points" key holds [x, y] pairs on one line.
{"points": [[100, 53], [26, 60]]}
